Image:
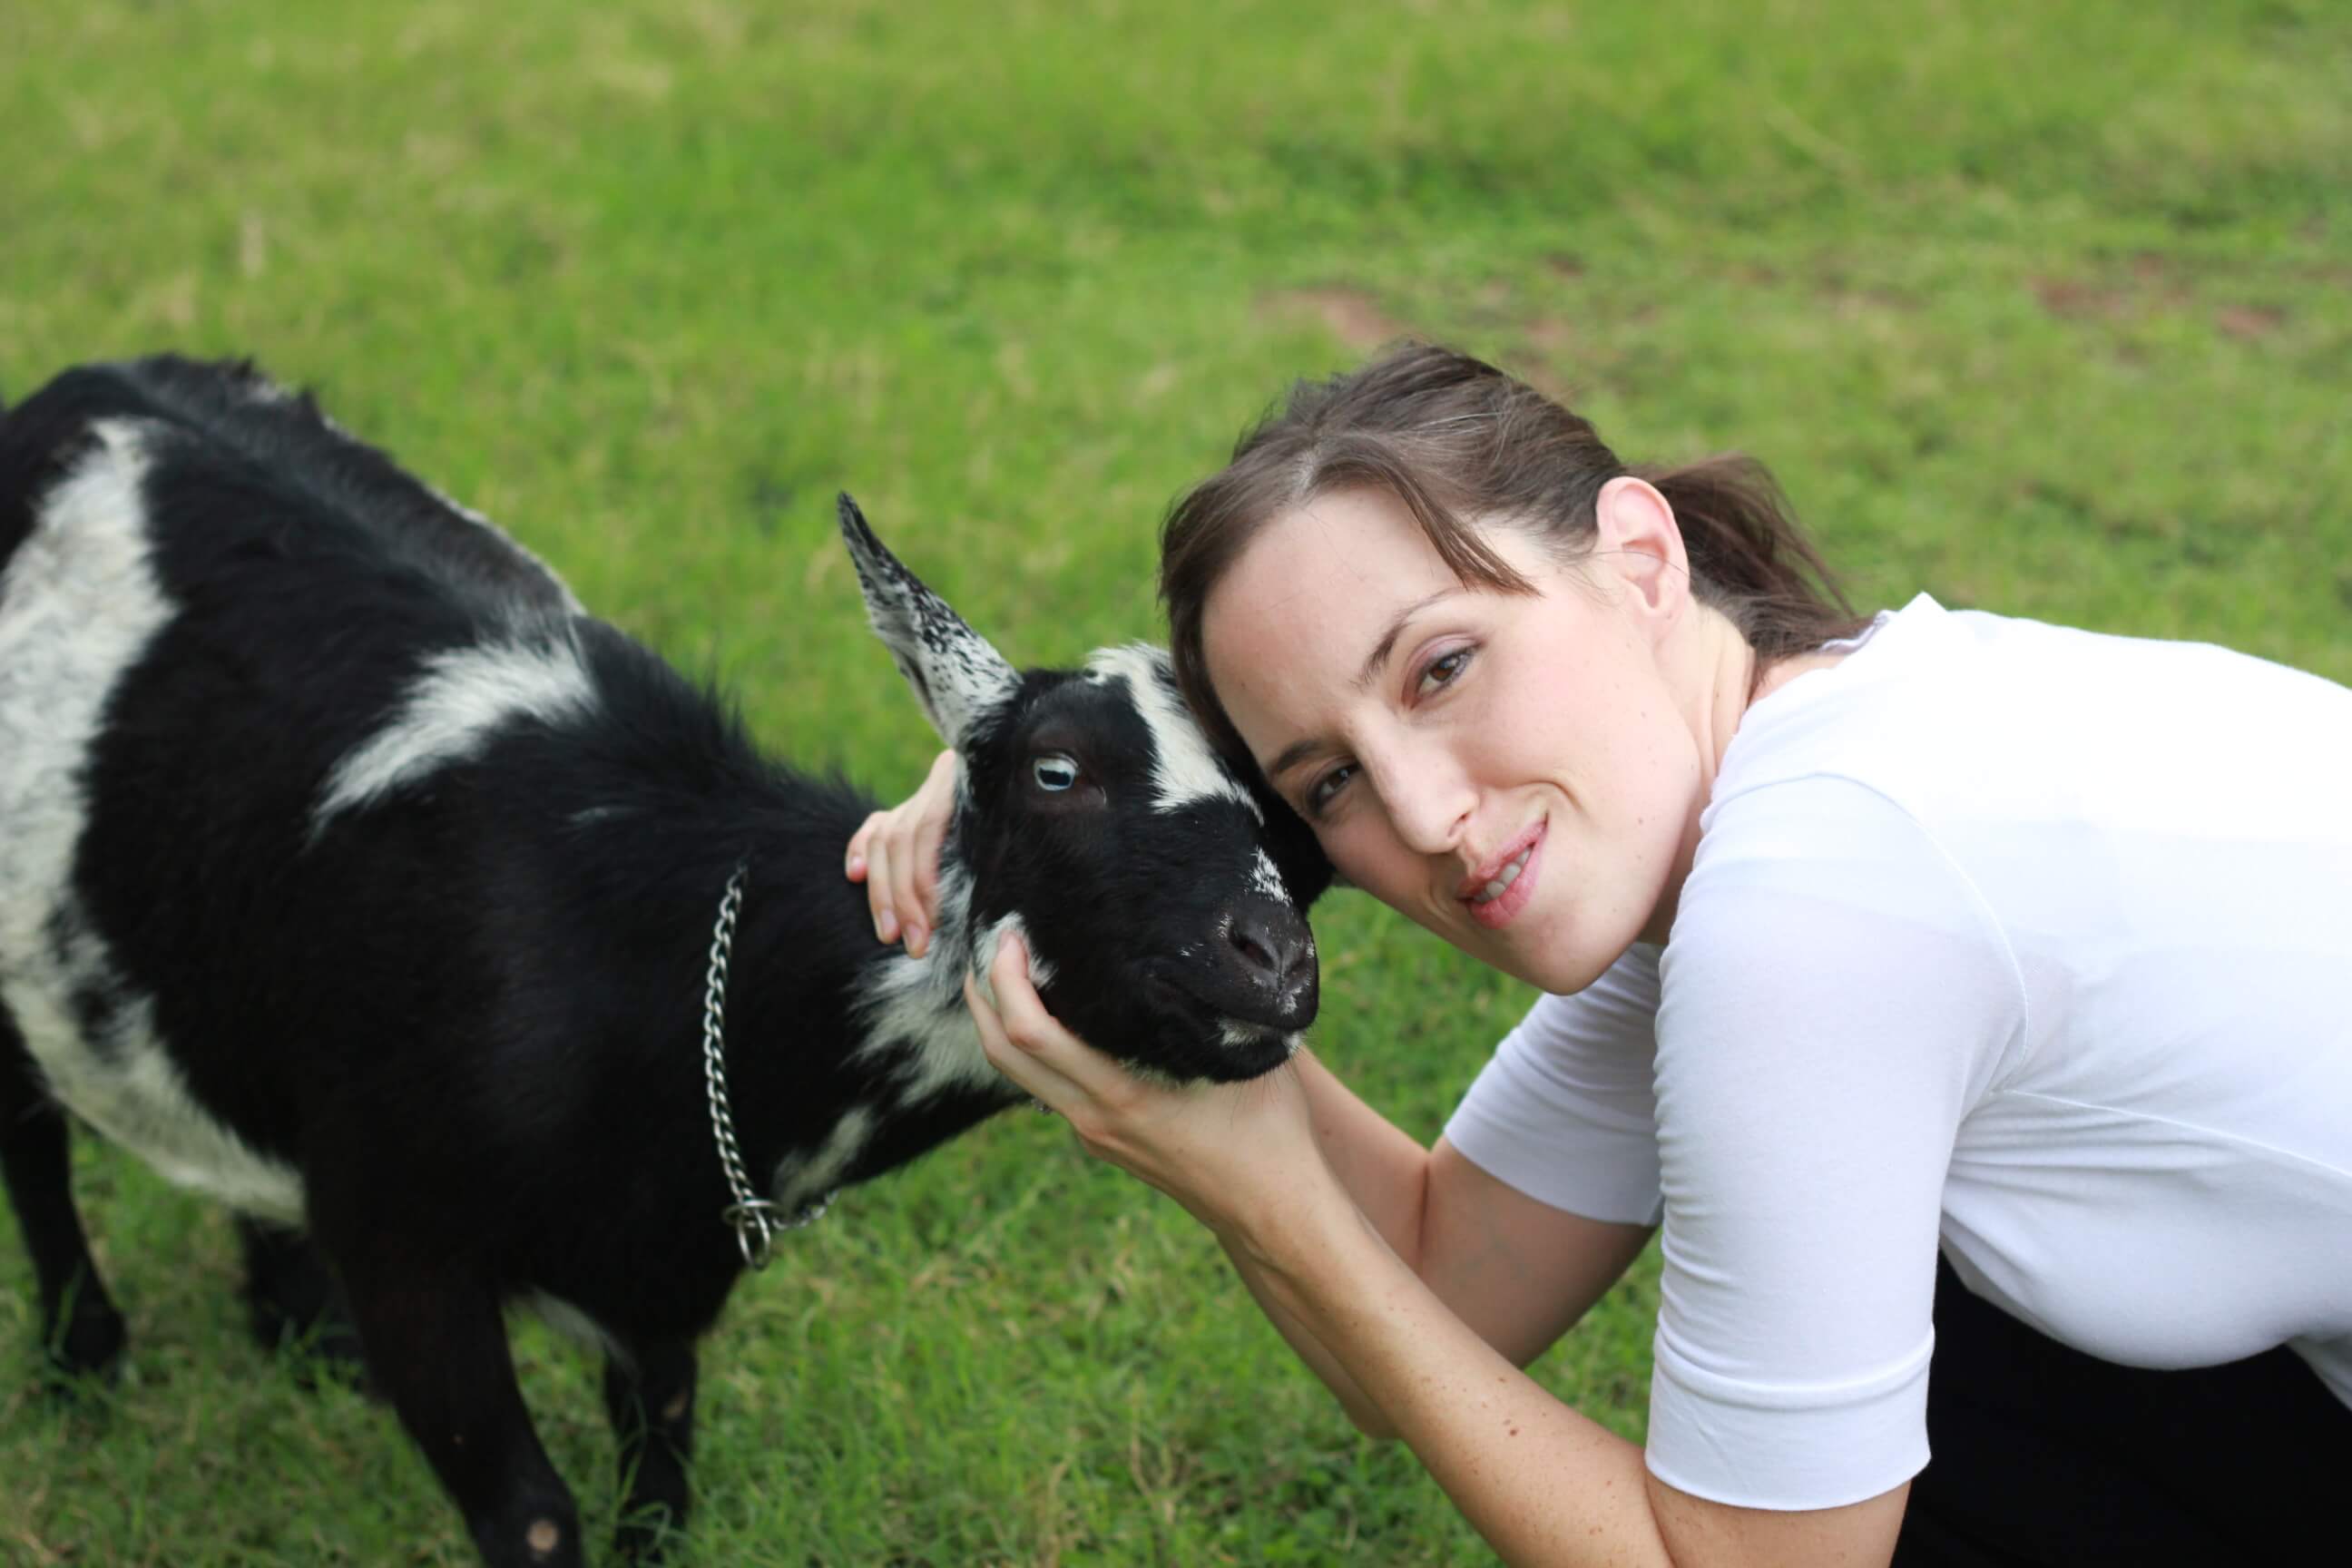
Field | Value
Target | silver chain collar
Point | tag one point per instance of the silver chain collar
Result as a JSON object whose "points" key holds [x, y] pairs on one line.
{"points": [[755, 1220]]}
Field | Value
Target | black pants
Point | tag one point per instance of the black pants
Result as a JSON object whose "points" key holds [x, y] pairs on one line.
{"points": [[2043, 1455]]}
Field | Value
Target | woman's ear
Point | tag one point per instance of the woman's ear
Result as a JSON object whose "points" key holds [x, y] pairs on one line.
{"points": [[1636, 537]]}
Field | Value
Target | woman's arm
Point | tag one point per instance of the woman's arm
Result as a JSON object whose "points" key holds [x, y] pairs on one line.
{"points": [[1542, 1484], [1518, 1272]]}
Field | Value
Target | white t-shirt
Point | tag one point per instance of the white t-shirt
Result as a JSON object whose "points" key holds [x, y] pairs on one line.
{"points": [[2030, 942]]}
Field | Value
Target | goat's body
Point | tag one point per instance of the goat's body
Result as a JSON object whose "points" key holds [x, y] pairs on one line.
{"points": [[352, 872], [307, 918]]}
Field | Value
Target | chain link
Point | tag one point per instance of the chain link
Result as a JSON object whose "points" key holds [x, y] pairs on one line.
{"points": [[756, 1221]]}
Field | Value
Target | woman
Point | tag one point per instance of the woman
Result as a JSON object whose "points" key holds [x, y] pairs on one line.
{"points": [[1860, 943]]}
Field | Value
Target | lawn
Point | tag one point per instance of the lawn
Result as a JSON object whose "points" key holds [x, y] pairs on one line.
{"points": [[2042, 308]]}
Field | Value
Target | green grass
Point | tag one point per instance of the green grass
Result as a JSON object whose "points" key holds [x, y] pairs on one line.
{"points": [[2044, 309]]}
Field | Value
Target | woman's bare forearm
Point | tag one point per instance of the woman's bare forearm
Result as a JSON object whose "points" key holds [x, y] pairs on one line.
{"points": [[1385, 1170]]}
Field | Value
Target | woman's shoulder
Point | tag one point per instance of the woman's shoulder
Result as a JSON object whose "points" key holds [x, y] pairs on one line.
{"points": [[1965, 714]]}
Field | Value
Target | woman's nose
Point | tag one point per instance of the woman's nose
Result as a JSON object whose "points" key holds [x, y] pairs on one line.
{"points": [[1428, 802]]}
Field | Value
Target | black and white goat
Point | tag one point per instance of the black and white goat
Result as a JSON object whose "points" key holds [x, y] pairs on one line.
{"points": [[350, 871]]}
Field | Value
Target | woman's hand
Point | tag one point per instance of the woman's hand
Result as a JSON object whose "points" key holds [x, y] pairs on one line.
{"points": [[897, 854], [1234, 1154]]}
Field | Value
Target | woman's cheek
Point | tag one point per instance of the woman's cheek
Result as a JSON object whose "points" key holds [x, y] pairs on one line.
{"points": [[1348, 847]]}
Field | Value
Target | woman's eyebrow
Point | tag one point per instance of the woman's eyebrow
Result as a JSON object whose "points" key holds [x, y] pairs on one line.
{"points": [[1387, 645], [1291, 755]]}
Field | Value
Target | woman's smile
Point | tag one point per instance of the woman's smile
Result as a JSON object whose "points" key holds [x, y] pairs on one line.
{"points": [[1498, 890]]}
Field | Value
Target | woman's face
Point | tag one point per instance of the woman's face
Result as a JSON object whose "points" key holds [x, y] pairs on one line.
{"points": [[1515, 772]]}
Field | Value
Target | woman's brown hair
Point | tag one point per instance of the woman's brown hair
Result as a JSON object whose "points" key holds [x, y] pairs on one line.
{"points": [[1455, 440]]}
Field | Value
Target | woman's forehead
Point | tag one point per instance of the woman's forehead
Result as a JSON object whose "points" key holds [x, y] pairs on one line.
{"points": [[1342, 565]]}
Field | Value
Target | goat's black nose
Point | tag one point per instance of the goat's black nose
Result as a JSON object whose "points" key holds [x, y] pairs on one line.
{"points": [[1274, 954]]}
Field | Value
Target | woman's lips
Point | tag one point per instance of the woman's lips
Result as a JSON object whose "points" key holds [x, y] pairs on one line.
{"points": [[1497, 912]]}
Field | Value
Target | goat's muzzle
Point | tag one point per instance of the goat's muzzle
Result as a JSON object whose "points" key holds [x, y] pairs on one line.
{"points": [[1263, 971]]}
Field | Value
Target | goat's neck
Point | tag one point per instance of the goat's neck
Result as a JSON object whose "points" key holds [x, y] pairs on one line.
{"points": [[913, 1053], [911, 1012]]}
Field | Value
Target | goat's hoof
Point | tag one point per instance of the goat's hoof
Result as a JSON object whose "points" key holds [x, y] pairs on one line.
{"points": [[334, 1358], [321, 1349], [645, 1536], [89, 1350]]}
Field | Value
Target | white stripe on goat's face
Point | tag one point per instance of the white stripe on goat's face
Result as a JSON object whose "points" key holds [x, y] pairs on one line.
{"points": [[1184, 768], [79, 605], [452, 710]]}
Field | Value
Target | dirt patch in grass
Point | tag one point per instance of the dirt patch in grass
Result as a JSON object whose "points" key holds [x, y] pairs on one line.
{"points": [[2148, 287], [2249, 322], [1351, 315]]}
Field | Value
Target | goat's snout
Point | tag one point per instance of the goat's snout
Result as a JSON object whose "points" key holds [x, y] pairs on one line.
{"points": [[1270, 952]]}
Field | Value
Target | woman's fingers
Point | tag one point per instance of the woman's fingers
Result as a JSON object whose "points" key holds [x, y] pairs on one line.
{"points": [[1036, 1032], [909, 898], [854, 868], [895, 853], [923, 875], [881, 890], [1037, 1079], [924, 830], [897, 856]]}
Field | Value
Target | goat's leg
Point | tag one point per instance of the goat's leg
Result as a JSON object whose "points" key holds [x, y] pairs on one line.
{"points": [[80, 1330], [436, 1346], [293, 1298], [650, 1394]]}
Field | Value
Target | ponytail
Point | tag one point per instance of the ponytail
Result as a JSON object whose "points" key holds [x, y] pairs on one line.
{"points": [[1748, 558]]}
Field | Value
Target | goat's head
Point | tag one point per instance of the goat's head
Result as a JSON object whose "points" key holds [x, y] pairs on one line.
{"points": [[1162, 892]]}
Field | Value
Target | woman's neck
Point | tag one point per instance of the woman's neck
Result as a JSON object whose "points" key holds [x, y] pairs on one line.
{"points": [[1722, 682]]}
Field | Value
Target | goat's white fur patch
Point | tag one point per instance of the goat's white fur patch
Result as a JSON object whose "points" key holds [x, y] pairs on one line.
{"points": [[1184, 769], [452, 710], [1240, 1036], [983, 956], [914, 1007], [575, 1324], [1265, 879], [804, 1179], [78, 606]]}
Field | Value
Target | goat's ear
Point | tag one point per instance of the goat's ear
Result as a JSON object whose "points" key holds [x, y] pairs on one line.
{"points": [[956, 675]]}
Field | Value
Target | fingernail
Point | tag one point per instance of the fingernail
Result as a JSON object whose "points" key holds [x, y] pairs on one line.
{"points": [[857, 865], [915, 937], [887, 928]]}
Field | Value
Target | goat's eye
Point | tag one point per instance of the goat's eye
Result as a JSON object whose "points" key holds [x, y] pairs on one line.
{"points": [[1053, 773]]}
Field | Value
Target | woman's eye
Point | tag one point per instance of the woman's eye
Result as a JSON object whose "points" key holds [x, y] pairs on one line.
{"points": [[1325, 790], [1053, 773], [1443, 670]]}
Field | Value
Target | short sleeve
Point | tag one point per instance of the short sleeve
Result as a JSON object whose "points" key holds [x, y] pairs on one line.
{"points": [[1564, 1112], [1832, 995]]}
